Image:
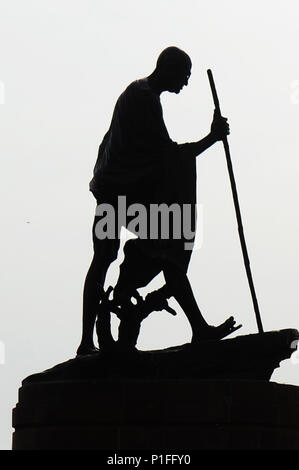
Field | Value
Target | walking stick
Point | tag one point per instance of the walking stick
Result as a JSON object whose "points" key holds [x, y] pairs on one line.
{"points": [[237, 209]]}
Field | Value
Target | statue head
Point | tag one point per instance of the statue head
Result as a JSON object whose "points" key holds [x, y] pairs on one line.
{"points": [[173, 69]]}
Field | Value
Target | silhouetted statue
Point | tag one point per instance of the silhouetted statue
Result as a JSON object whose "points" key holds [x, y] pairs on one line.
{"points": [[138, 159]]}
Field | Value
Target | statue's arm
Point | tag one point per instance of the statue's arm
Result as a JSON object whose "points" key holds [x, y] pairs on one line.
{"points": [[194, 149], [219, 129]]}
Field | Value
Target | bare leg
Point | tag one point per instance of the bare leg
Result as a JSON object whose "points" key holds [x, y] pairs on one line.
{"points": [[105, 253], [180, 288]]}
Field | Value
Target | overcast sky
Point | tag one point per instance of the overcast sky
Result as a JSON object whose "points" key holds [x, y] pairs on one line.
{"points": [[63, 65]]}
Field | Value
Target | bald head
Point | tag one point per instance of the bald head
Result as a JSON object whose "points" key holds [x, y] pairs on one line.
{"points": [[173, 58], [172, 71]]}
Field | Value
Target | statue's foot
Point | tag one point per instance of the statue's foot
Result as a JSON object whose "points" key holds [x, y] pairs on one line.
{"points": [[84, 350], [123, 347], [107, 346], [214, 333]]}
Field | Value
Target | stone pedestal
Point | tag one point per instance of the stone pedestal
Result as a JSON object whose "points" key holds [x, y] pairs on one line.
{"points": [[214, 395], [165, 415]]}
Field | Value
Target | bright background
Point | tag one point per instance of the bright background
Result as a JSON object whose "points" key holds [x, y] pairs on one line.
{"points": [[63, 65]]}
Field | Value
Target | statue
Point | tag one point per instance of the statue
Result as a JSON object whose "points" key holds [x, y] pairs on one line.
{"points": [[140, 170], [137, 159]]}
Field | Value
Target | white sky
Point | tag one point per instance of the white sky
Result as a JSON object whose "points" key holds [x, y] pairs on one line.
{"points": [[63, 65]]}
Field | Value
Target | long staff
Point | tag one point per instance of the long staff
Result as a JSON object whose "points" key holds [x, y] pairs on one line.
{"points": [[237, 209]]}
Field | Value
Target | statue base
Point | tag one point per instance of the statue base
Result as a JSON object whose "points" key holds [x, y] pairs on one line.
{"points": [[157, 415], [214, 396]]}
